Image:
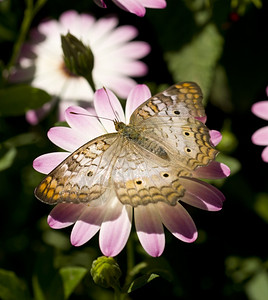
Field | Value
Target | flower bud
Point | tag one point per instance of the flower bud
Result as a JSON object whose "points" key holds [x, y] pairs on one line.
{"points": [[106, 272], [78, 58]]}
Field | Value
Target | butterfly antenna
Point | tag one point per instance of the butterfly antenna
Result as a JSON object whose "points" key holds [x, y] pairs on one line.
{"points": [[117, 119], [88, 115]]}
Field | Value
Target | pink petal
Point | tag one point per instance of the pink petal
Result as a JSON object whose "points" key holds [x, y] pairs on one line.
{"points": [[154, 3], [260, 109], [49, 28], [88, 225], [66, 138], [120, 35], [69, 17], [132, 6], [202, 119], [35, 116], [149, 229], [121, 85], [102, 28], [100, 3], [137, 96], [64, 215], [84, 122], [215, 137], [108, 106], [115, 229], [47, 162], [264, 154], [178, 221], [215, 170], [133, 50], [131, 68], [202, 195], [260, 137]]}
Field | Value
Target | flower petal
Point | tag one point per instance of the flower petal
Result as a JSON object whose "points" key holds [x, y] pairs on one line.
{"points": [[100, 3], [215, 170], [154, 3], [260, 137], [137, 96], [133, 50], [83, 121], [34, 116], [149, 229], [121, 85], [88, 225], [66, 138], [108, 106], [47, 162], [115, 229], [264, 154], [64, 215], [178, 221], [120, 35], [260, 109], [215, 137], [132, 6], [201, 194]]}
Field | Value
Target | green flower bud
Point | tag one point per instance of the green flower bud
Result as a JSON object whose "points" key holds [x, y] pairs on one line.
{"points": [[78, 58], [106, 272]]}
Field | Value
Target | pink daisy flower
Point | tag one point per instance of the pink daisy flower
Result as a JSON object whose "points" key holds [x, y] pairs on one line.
{"points": [[110, 217], [115, 60], [136, 7], [260, 137]]}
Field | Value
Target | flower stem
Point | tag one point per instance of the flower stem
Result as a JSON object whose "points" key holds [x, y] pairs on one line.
{"points": [[29, 13]]}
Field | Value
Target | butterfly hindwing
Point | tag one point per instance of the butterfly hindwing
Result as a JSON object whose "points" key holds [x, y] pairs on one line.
{"points": [[140, 177]]}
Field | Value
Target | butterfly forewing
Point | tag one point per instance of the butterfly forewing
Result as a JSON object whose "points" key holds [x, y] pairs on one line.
{"points": [[84, 175], [170, 119], [183, 99]]}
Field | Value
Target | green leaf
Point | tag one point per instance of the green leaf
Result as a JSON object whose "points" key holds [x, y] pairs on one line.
{"points": [[7, 156], [261, 206], [257, 287], [141, 281], [22, 139], [17, 100], [11, 287], [71, 277], [38, 293], [197, 60]]}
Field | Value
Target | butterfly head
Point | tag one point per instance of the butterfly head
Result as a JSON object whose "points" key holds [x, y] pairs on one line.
{"points": [[119, 126]]}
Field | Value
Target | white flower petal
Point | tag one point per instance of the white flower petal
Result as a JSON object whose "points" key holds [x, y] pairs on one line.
{"points": [[115, 229], [47, 162], [108, 106], [64, 215], [87, 225], [149, 229], [178, 221]]}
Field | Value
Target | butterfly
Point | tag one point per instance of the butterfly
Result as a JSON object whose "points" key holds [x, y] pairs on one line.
{"points": [[143, 161]]}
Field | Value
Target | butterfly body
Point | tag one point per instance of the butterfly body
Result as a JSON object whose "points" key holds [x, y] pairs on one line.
{"points": [[144, 160]]}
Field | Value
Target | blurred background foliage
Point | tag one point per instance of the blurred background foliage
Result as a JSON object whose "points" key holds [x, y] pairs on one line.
{"points": [[223, 46]]}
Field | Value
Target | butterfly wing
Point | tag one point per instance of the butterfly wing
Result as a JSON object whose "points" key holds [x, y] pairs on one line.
{"points": [[141, 177], [84, 175], [170, 118]]}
